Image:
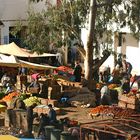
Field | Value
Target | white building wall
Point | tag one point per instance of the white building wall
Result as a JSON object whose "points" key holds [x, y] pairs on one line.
{"points": [[13, 10], [131, 49]]}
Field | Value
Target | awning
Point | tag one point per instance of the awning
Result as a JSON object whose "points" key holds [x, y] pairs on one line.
{"points": [[34, 65], [8, 61], [13, 49], [12, 61]]}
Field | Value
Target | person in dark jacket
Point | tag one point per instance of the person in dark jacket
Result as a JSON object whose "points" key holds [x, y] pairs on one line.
{"points": [[30, 117], [126, 86], [77, 72], [52, 115], [43, 121], [129, 68]]}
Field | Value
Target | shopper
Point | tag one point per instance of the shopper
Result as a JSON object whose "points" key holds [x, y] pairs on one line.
{"points": [[30, 117], [77, 72], [52, 115]]}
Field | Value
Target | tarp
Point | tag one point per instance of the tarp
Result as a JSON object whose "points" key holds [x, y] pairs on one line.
{"points": [[35, 66], [12, 61], [9, 61], [13, 49]]}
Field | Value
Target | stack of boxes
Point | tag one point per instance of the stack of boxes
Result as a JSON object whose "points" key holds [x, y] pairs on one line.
{"points": [[131, 102]]}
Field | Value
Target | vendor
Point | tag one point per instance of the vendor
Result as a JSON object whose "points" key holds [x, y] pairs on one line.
{"points": [[126, 85], [105, 96], [35, 87]]}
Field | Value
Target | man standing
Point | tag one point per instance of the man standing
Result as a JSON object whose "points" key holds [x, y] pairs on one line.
{"points": [[52, 115], [77, 72], [30, 117]]}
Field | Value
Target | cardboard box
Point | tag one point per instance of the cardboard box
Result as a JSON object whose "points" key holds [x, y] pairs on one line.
{"points": [[130, 100], [127, 105], [132, 106], [43, 101], [122, 104]]}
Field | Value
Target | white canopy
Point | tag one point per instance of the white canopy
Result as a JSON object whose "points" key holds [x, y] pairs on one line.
{"points": [[12, 61], [34, 65], [13, 49], [9, 61]]}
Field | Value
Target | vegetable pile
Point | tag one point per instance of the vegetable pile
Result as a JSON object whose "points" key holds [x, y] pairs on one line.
{"points": [[31, 100], [112, 86], [10, 96], [114, 110]]}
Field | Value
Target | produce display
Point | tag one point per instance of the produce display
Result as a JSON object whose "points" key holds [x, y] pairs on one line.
{"points": [[112, 86], [99, 85], [10, 96], [112, 110], [31, 100]]}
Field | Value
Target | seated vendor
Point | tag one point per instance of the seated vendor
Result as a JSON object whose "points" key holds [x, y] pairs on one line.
{"points": [[34, 87]]}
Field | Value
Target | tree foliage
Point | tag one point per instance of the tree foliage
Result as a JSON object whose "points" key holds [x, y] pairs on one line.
{"points": [[61, 23]]}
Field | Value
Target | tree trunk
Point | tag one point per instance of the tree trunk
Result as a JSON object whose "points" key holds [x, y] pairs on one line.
{"points": [[97, 65], [89, 45]]}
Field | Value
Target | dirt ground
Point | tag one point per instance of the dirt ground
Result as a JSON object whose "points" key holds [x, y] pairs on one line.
{"points": [[76, 113], [73, 113]]}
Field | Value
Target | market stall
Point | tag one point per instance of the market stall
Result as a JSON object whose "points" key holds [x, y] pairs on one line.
{"points": [[111, 129]]}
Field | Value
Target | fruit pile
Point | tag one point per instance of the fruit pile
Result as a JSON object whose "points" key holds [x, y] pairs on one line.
{"points": [[114, 110], [112, 86], [10, 96], [31, 100]]}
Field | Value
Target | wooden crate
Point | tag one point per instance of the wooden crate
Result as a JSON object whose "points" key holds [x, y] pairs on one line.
{"points": [[132, 106], [45, 110], [122, 104], [2, 122], [127, 105], [39, 109], [21, 119], [129, 100], [43, 101], [10, 118]]}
